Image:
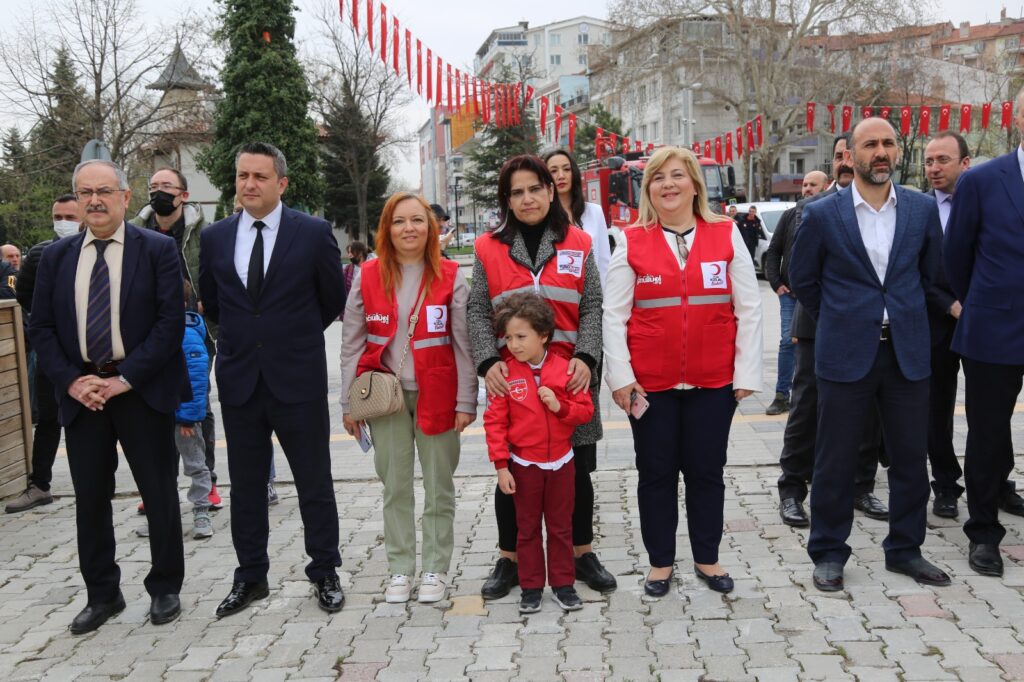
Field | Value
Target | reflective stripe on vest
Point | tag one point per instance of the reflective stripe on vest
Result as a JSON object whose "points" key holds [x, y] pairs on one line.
{"points": [[659, 302], [379, 340], [708, 300], [544, 291], [436, 341]]}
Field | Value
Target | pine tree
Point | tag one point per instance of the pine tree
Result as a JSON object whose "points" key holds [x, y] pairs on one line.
{"points": [[57, 140], [586, 133], [266, 99]]}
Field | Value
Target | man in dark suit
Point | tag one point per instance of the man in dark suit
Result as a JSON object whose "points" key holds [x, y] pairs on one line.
{"points": [[984, 259], [107, 323], [861, 264], [271, 278]]}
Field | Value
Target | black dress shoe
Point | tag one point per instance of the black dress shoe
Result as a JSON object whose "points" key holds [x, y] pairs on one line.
{"points": [[871, 506], [718, 583], [779, 405], [793, 514], [658, 588], [242, 594], [985, 559], [1012, 503], [329, 595], [502, 579], [164, 608], [828, 576], [921, 570], [945, 506], [95, 615], [596, 576]]}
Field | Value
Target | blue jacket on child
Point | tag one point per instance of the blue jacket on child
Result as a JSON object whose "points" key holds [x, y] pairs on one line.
{"points": [[198, 360]]}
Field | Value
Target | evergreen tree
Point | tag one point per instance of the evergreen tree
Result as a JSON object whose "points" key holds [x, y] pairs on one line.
{"points": [[586, 133], [266, 99], [58, 138]]}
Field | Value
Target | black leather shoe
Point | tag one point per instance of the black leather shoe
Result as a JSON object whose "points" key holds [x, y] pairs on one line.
{"points": [[658, 588], [242, 594], [164, 608], [793, 514], [985, 559], [95, 615], [871, 506], [921, 570], [718, 583], [596, 576], [779, 405], [1012, 503], [828, 576], [945, 506], [502, 579], [329, 595]]}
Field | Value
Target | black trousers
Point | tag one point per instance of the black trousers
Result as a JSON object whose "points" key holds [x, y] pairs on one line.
{"points": [[991, 394], [147, 439], [46, 439], [683, 431], [844, 409], [303, 430], [946, 471], [797, 459]]}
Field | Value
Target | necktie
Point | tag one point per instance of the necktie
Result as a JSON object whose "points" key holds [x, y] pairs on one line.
{"points": [[97, 320], [255, 279]]}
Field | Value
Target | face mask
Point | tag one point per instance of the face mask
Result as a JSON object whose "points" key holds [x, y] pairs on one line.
{"points": [[65, 228], [162, 202]]}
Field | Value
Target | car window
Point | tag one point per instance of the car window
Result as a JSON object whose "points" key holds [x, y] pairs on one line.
{"points": [[770, 219]]}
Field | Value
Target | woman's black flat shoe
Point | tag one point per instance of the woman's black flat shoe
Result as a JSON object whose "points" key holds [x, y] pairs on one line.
{"points": [[718, 583], [658, 588]]}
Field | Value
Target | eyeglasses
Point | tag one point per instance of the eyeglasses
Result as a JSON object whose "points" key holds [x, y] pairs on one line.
{"points": [[164, 187], [103, 193]]}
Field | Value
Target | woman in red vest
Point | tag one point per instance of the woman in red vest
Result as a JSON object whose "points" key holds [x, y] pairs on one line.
{"points": [[537, 249], [438, 382], [682, 332]]}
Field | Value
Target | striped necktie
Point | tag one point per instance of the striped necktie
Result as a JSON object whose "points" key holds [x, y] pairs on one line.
{"points": [[98, 342]]}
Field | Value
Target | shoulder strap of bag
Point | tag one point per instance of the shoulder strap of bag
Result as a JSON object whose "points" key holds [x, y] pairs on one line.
{"points": [[413, 319]]}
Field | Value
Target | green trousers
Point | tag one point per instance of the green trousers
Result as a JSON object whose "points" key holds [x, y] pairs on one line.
{"points": [[395, 440]]}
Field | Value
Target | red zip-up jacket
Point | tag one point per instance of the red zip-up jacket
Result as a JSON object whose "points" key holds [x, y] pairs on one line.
{"points": [[519, 422]]}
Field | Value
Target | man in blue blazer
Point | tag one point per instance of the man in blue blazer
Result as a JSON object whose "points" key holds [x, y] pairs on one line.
{"points": [[984, 259], [271, 279], [107, 323], [862, 261]]}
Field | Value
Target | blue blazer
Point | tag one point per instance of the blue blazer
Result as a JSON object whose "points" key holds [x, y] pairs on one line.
{"points": [[834, 280], [152, 320], [984, 258], [281, 335]]}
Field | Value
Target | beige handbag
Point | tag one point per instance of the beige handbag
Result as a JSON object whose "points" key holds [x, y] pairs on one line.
{"points": [[379, 394]]}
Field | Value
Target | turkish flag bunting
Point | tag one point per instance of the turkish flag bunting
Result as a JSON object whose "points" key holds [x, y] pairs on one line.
{"points": [[572, 131], [650, 148], [986, 114], [718, 150], [739, 142], [558, 124], [885, 112], [924, 119], [1007, 116], [476, 102], [810, 117], [355, 16], [758, 129], [965, 118], [598, 142], [613, 143], [384, 34], [516, 94], [847, 117], [707, 148], [485, 92], [750, 137], [529, 94], [369, 23], [465, 90], [728, 147], [543, 115], [832, 118], [408, 56], [905, 121], [696, 148], [458, 89], [437, 83], [430, 76], [419, 67], [510, 113], [394, 43], [866, 112], [944, 112], [625, 145]]}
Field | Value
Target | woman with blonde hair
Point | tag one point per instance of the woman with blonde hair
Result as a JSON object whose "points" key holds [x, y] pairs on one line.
{"points": [[683, 344], [438, 380]]}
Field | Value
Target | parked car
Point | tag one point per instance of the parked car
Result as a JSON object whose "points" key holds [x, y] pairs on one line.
{"points": [[465, 239], [769, 213]]}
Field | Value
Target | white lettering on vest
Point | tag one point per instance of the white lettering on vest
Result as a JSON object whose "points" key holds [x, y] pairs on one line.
{"points": [[570, 262], [378, 317], [714, 274], [649, 279]]}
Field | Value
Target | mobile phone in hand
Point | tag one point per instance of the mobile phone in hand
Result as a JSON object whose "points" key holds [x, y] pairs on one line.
{"points": [[365, 442], [637, 405]]}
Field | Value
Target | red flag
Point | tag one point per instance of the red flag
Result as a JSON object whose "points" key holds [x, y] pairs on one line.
{"points": [[696, 148], [465, 90], [847, 117], [599, 143], [613, 143], [944, 111], [639, 146], [394, 43], [1007, 117], [369, 23], [437, 83], [625, 145], [516, 94], [544, 115], [924, 119], [419, 67], [986, 114], [739, 142], [355, 16], [718, 150], [707, 148], [866, 112], [476, 102], [529, 95], [810, 117], [408, 56], [485, 92], [448, 90], [760, 133], [430, 76], [572, 131], [458, 89], [905, 121], [965, 118], [885, 112], [508, 113], [750, 137], [558, 124], [728, 147], [832, 117], [650, 148], [384, 34]]}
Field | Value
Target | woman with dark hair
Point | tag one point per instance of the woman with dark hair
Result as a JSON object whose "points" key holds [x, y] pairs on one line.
{"points": [[356, 252], [569, 187], [536, 248]]}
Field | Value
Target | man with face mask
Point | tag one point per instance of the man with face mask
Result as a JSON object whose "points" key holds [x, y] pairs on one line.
{"points": [[66, 221], [170, 212]]}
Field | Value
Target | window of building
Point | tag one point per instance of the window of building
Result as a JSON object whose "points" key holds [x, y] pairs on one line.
{"points": [[556, 60], [582, 59], [536, 39], [554, 39], [643, 132], [654, 131], [583, 38], [796, 166], [679, 126], [641, 94]]}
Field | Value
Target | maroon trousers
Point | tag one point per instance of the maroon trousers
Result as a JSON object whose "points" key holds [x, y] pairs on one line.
{"points": [[549, 495]]}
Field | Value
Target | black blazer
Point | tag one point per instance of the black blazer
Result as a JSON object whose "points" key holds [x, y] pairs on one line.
{"points": [[279, 336], [803, 325], [152, 320], [939, 296]]}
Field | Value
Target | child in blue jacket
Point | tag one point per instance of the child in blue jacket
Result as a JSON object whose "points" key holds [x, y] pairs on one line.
{"points": [[188, 430]]}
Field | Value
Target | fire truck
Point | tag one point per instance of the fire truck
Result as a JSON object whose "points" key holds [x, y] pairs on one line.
{"points": [[614, 183]]}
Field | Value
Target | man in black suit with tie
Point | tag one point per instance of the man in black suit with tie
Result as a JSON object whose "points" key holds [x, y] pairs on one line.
{"points": [[271, 279], [107, 325]]}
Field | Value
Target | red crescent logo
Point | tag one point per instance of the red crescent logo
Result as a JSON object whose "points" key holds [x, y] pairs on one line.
{"points": [[717, 267], [439, 313], [572, 260]]}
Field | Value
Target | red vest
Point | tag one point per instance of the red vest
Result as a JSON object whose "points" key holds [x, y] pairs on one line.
{"points": [[559, 282], [431, 346], [682, 328]]}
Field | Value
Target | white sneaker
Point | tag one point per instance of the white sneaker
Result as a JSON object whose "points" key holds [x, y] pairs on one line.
{"points": [[432, 588], [399, 590]]}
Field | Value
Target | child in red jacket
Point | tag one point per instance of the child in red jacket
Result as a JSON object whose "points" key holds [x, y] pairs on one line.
{"points": [[529, 439]]}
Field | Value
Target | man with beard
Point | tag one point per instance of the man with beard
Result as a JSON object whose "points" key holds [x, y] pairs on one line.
{"points": [[861, 265]]}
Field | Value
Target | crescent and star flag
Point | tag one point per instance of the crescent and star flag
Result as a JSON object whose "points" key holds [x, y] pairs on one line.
{"points": [[430, 77], [394, 44], [758, 129], [476, 101], [866, 112], [832, 117], [847, 117], [598, 142], [728, 147], [696, 148], [750, 137], [419, 67], [639, 146], [885, 112], [408, 56], [558, 124], [924, 118], [986, 114], [965, 118], [485, 91], [369, 23], [1007, 115], [707, 148], [437, 83], [739, 142], [650, 148], [718, 150], [355, 16], [465, 90], [384, 34], [458, 89], [944, 112], [905, 121], [516, 93], [543, 115], [572, 131], [810, 117]]}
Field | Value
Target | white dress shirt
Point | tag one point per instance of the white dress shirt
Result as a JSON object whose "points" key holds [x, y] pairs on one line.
{"points": [[746, 303], [945, 206], [877, 229], [114, 256], [595, 225], [245, 238]]}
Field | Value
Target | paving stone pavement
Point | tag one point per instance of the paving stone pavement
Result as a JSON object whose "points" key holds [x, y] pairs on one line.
{"points": [[774, 626]]}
